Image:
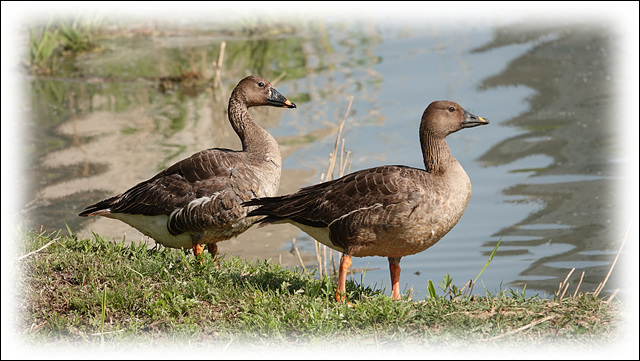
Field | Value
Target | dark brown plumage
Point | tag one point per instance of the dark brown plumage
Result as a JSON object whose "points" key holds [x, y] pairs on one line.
{"points": [[390, 211], [198, 200]]}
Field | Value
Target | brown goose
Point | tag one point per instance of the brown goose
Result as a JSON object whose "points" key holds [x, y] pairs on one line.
{"points": [[198, 200], [390, 211]]}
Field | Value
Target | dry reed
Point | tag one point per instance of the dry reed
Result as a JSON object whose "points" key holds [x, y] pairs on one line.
{"points": [[343, 165], [564, 285], [217, 82]]}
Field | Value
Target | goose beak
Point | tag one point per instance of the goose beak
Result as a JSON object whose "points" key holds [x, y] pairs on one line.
{"points": [[278, 100], [472, 120]]}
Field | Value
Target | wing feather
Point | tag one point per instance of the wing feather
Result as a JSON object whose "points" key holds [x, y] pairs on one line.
{"points": [[198, 192], [321, 204]]}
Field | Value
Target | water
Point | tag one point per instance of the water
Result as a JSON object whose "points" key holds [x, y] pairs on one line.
{"points": [[543, 172]]}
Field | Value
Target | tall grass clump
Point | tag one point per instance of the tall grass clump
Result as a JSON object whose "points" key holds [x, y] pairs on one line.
{"points": [[43, 46], [48, 43]]}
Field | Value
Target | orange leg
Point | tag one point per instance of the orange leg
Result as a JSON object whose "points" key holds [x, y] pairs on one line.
{"points": [[345, 264], [213, 249], [197, 250], [394, 269]]}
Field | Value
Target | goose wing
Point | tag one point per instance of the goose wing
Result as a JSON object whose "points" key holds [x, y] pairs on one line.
{"points": [[322, 204], [201, 191]]}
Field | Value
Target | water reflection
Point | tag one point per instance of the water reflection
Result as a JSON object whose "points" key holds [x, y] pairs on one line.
{"points": [[569, 123]]}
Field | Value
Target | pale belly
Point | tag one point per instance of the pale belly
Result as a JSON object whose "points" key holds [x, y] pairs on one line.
{"points": [[397, 243], [154, 227], [378, 241], [320, 234], [405, 235], [403, 238]]}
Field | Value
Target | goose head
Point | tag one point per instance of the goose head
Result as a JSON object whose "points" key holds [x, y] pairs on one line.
{"points": [[257, 91]]}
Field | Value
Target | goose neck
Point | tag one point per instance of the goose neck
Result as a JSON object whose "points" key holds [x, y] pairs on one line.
{"points": [[254, 138], [435, 152]]}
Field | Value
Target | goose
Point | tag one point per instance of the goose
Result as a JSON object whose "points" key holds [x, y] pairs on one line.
{"points": [[389, 211], [198, 200]]}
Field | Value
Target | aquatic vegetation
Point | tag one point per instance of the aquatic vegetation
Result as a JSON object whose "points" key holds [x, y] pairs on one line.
{"points": [[57, 39]]}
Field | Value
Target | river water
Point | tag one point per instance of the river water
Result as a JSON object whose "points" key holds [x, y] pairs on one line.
{"points": [[545, 172]]}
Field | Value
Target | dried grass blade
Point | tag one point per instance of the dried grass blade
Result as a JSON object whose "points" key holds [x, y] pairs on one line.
{"points": [[624, 239]]}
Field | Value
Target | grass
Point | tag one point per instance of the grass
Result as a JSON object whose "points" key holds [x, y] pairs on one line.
{"points": [[43, 46], [92, 291], [47, 44]]}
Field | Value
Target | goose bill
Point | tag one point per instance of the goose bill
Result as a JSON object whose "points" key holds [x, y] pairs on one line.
{"points": [[472, 120], [278, 100]]}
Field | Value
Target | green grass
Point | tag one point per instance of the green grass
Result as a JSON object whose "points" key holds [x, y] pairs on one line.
{"points": [[95, 291], [43, 46], [48, 43]]}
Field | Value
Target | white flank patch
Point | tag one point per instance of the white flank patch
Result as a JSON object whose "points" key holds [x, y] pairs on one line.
{"points": [[154, 227], [320, 234]]}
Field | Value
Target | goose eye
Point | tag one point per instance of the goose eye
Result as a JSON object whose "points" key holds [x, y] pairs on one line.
{"points": [[452, 109], [261, 84]]}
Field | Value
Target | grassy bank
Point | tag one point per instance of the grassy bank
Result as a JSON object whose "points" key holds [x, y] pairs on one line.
{"points": [[96, 292]]}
